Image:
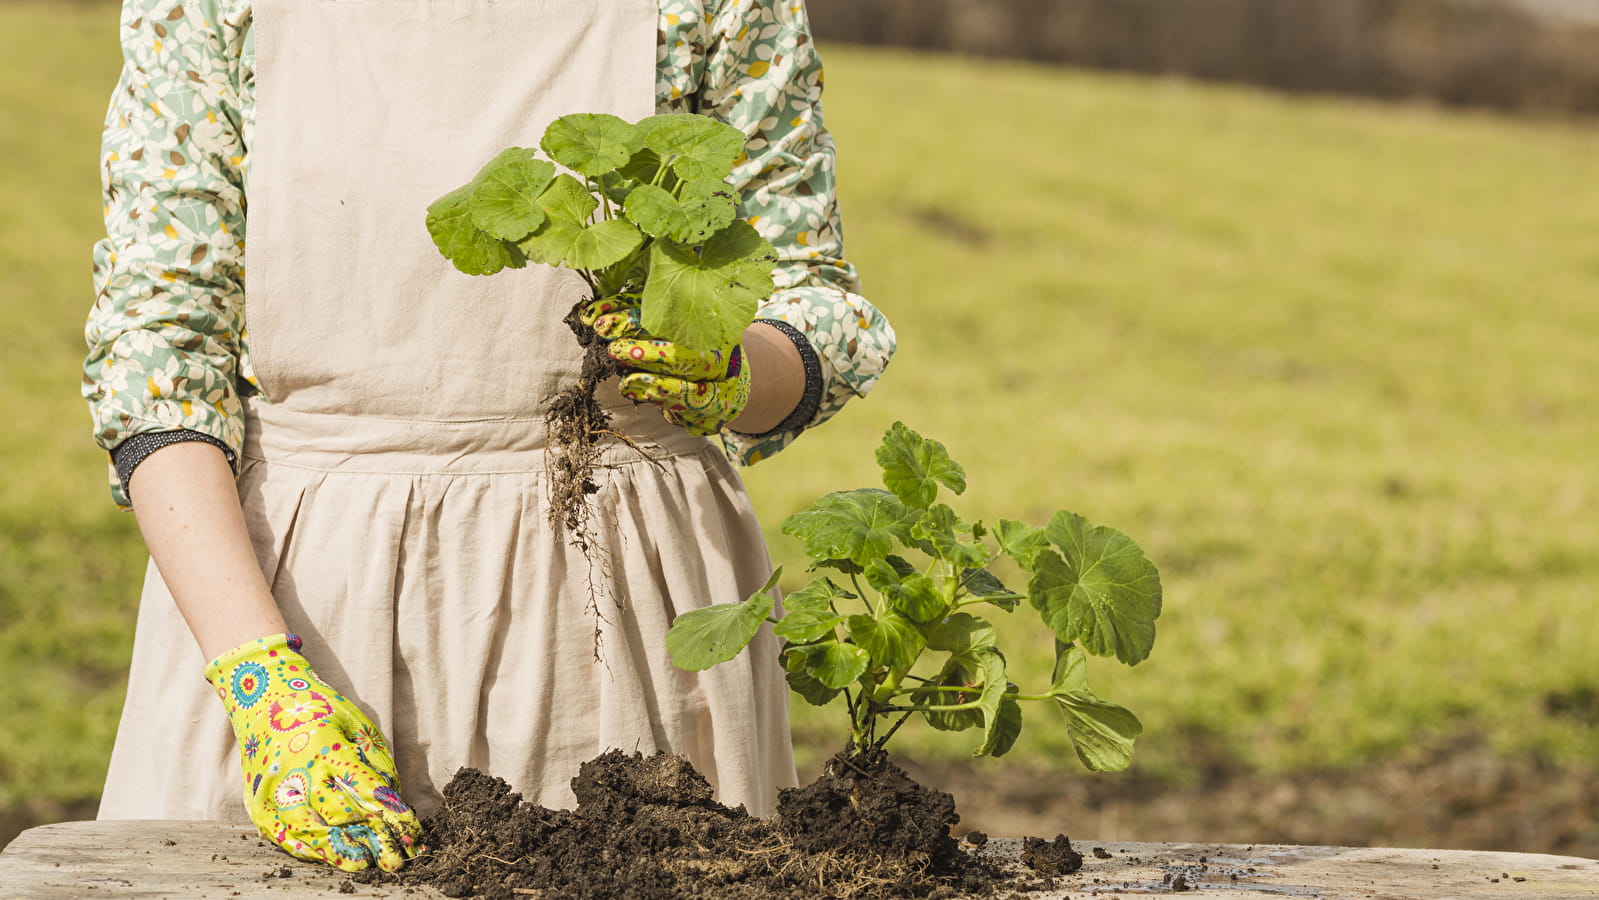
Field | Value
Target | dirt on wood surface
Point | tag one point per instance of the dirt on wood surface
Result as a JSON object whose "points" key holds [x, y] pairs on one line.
{"points": [[1461, 797], [647, 828]]}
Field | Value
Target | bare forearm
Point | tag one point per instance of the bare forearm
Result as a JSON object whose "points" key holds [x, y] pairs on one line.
{"points": [[777, 379], [188, 511]]}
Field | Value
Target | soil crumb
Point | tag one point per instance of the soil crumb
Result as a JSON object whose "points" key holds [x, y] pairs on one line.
{"points": [[1051, 858], [647, 828]]}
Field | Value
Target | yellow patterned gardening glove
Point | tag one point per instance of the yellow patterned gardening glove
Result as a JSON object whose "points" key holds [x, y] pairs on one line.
{"points": [[318, 778], [698, 390]]}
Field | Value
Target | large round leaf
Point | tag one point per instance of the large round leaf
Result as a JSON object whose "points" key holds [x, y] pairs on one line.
{"points": [[704, 209], [914, 466], [468, 247], [591, 143], [506, 192], [705, 297], [1099, 590], [694, 146]]}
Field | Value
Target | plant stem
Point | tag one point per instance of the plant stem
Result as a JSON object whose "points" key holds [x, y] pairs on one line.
{"points": [[890, 733]]}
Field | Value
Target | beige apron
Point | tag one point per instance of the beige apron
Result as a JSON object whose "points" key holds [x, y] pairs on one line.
{"points": [[393, 473]]}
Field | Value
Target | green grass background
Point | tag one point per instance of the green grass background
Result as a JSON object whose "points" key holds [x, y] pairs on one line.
{"points": [[1331, 362]]}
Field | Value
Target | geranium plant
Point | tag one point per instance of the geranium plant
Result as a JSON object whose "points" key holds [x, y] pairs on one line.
{"points": [[642, 211], [890, 623]]}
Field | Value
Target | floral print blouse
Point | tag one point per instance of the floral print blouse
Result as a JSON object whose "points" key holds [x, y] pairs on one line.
{"points": [[167, 344]]}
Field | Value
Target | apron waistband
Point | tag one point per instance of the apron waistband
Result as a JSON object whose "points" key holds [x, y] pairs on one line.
{"points": [[330, 441]]}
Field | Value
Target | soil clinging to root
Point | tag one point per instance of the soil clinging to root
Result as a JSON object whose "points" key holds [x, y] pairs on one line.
{"points": [[647, 828], [577, 423]]}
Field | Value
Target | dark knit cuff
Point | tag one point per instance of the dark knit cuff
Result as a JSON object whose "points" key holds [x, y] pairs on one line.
{"points": [[138, 448], [811, 400]]}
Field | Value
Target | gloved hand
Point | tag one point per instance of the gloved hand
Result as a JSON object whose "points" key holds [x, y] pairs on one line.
{"points": [[698, 390], [318, 778]]}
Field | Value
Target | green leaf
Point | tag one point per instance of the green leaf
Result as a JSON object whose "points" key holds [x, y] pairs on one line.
{"points": [[1021, 542], [1099, 590], [739, 242], [468, 247], [505, 194], [893, 640], [836, 665], [859, 525], [694, 146], [704, 209], [841, 565], [982, 583], [591, 143], [939, 527], [1001, 730], [914, 466], [568, 200], [1101, 732], [702, 638], [702, 301], [809, 612], [919, 598], [960, 633], [983, 671], [559, 243], [802, 682]]}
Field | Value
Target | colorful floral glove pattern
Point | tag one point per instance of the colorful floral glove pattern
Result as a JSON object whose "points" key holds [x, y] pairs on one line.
{"points": [[697, 390], [318, 778]]}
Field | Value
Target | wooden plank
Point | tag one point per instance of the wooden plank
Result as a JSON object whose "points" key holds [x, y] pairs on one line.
{"points": [[179, 860], [191, 860]]}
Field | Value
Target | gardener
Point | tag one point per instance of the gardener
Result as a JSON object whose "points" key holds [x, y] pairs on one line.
{"points": [[341, 455]]}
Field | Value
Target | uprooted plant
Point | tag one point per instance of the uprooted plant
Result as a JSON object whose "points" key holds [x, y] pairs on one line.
{"points": [[898, 639], [645, 216]]}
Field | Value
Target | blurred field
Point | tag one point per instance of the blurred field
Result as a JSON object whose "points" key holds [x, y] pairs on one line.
{"points": [[1331, 363]]}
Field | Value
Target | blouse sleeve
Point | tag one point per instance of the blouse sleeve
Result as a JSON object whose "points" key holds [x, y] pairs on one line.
{"points": [[164, 332], [754, 65]]}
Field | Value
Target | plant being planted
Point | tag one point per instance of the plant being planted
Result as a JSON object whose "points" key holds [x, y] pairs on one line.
{"points": [[645, 216], [897, 638]]}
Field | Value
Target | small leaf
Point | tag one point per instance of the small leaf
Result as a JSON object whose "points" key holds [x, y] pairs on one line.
{"points": [[804, 684], [1021, 542], [702, 638], [835, 665], [694, 146], [892, 641], [859, 526], [591, 143], [704, 209], [809, 612], [841, 565], [1101, 732], [960, 633], [939, 527], [558, 243], [505, 194], [568, 200], [919, 598], [965, 670], [1100, 590], [914, 466], [1001, 730], [982, 583], [471, 249]]}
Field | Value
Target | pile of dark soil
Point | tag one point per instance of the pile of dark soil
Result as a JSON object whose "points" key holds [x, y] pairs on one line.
{"points": [[647, 828]]}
